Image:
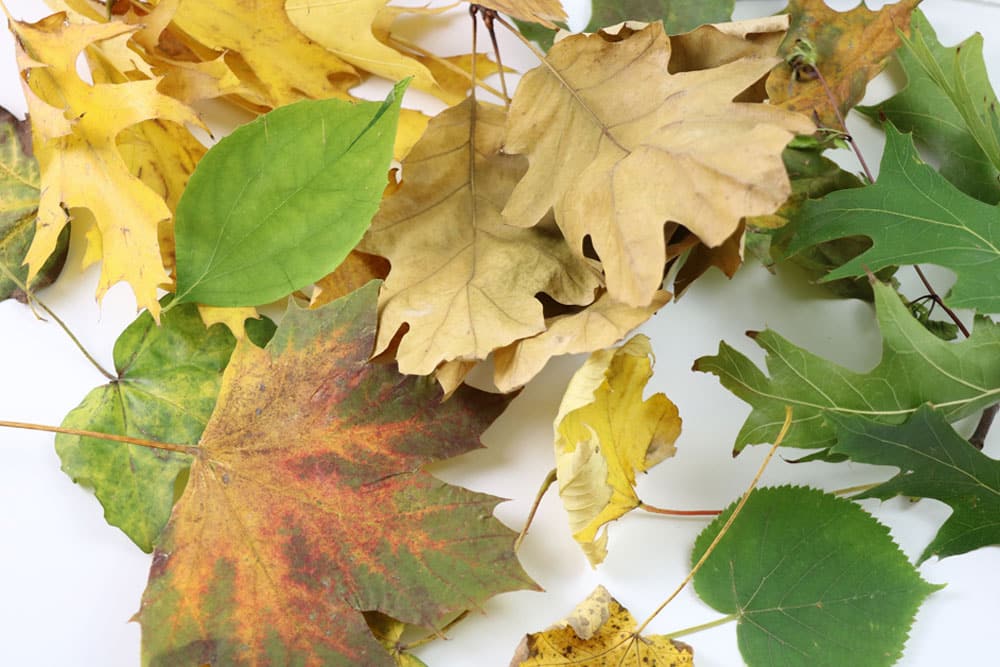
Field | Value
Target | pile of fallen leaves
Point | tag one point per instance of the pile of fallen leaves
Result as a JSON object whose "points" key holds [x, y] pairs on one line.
{"points": [[276, 471]]}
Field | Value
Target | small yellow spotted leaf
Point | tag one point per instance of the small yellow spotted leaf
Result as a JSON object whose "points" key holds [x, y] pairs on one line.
{"points": [[605, 433], [600, 633]]}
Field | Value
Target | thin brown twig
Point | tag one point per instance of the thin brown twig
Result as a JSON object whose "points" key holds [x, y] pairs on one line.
{"points": [[488, 16], [669, 512], [542, 490], [152, 444], [729, 522]]}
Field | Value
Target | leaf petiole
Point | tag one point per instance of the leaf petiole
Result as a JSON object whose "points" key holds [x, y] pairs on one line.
{"points": [[702, 626], [152, 444]]}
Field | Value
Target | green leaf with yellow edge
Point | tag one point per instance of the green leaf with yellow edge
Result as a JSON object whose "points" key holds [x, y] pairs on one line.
{"points": [[19, 194], [812, 580], [916, 367], [605, 434], [934, 462], [280, 202], [850, 48], [307, 505], [912, 215], [928, 110], [599, 633], [168, 377]]}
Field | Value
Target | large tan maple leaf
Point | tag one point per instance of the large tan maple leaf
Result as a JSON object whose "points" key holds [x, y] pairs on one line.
{"points": [[618, 146], [463, 281]]}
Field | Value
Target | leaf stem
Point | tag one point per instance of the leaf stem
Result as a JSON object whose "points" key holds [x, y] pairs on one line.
{"points": [[939, 301], [978, 438], [848, 490], [831, 98], [447, 64], [703, 626], [562, 80], [152, 444], [542, 490], [488, 16], [30, 296], [729, 521], [437, 634], [660, 510]]}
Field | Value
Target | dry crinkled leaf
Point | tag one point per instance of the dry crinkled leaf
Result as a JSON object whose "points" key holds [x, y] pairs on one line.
{"points": [[544, 12], [76, 127], [600, 325], [717, 44], [599, 633], [307, 504], [727, 257], [463, 281], [851, 48], [612, 117], [605, 434], [356, 271]]}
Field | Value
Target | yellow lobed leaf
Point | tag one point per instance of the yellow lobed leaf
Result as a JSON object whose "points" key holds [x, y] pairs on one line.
{"points": [[464, 282], [233, 318], [76, 129], [617, 146], [717, 44], [536, 11], [605, 434], [599, 325], [266, 50], [600, 633]]}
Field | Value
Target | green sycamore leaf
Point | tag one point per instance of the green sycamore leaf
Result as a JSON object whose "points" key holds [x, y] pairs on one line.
{"points": [[926, 109], [813, 581], [912, 215], [19, 194], [677, 15], [934, 462], [916, 367], [280, 202], [168, 379]]}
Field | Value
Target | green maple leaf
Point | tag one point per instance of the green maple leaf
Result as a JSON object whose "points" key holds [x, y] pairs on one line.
{"points": [[168, 379], [934, 462], [934, 112], [912, 215], [307, 505], [19, 194], [813, 581], [916, 367]]}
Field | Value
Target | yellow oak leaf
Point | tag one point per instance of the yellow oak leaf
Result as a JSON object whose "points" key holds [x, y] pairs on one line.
{"points": [[600, 633], [265, 49], [76, 129], [617, 146], [599, 325], [850, 49], [464, 282], [536, 11], [605, 434]]}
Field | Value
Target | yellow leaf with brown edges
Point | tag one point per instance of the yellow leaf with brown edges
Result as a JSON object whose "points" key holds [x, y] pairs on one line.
{"points": [[77, 128], [462, 281], [605, 434], [851, 48], [618, 146], [600, 633]]}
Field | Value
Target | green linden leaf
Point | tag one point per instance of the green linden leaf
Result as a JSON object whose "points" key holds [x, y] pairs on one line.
{"points": [[168, 379], [916, 367], [280, 202], [934, 117], [934, 462], [677, 15], [813, 580], [912, 215], [19, 194]]}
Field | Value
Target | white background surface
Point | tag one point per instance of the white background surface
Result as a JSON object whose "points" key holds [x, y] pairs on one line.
{"points": [[69, 583]]}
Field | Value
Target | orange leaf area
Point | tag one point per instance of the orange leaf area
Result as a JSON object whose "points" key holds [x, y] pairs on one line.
{"points": [[307, 506], [851, 48]]}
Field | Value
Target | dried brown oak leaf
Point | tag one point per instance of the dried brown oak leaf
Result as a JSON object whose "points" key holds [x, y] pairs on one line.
{"points": [[617, 146], [463, 281], [851, 48], [76, 127], [544, 12], [307, 505]]}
